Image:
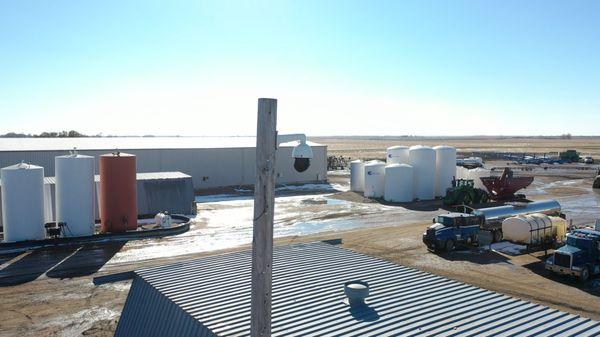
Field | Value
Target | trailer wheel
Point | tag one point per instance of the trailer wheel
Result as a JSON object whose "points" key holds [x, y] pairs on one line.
{"points": [[449, 245], [497, 236], [585, 274]]}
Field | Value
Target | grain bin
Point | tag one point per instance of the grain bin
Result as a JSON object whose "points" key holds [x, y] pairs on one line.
{"points": [[23, 202], [445, 168], [422, 159], [75, 194], [398, 183], [357, 176], [476, 174], [118, 199], [532, 229], [397, 155], [374, 179]]}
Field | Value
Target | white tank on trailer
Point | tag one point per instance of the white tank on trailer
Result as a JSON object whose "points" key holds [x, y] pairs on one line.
{"points": [[397, 155], [422, 159], [357, 176], [445, 168], [374, 179], [398, 183], [23, 202], [75, 194], [532, 228]]}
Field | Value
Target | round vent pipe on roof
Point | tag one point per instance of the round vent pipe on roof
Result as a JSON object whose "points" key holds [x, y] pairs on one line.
{"points": [[356, 292]]}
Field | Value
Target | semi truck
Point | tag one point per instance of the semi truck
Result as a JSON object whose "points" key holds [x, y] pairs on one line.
{"points": [[580, 256], [454, 228]]}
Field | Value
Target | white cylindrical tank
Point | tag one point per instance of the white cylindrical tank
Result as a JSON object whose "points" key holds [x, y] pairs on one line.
{"points": [[357, 176], [445, 168], [422, 159], [477, 173], [398, 183], [397, 155], [75, 194], [528, 229], [374, 179], [23, 202]]}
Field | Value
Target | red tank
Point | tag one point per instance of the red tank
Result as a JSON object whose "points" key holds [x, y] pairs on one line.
{"points": [[118, 192]]}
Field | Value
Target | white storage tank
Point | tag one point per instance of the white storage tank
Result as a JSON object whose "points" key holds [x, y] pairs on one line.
{"points": [[374, 179], [397, 155], [398, 183], [475, 174], [532, 228], [75, 194], [23, 202], [445, 168], [357, 176], [422, 159]]}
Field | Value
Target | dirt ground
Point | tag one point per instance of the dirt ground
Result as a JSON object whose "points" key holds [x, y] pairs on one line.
{"points": [[372, 147], [48, 298]]}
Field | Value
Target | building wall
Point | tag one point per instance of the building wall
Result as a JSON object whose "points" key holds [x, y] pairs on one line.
{"points": [[209, 167]]}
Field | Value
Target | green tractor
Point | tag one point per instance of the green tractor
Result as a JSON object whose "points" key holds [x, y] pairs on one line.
{"points": [[464, 192]]}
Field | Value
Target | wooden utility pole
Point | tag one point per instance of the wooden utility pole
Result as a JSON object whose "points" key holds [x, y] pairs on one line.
{"points": [[264, 204]]}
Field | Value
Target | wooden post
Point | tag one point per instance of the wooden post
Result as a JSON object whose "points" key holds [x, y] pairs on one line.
{"points": [[264, 202]]}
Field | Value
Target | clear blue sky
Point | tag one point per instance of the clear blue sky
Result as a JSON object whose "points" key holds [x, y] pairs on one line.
{"points": [[337, 67]]}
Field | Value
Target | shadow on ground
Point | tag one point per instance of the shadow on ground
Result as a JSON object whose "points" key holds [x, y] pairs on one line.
{"points": [[474, 256], [592, 286], [58, 262]]}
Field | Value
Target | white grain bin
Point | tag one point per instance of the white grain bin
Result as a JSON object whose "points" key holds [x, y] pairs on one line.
{"points": [[23, 202], [532, 228], [397, 155], [75, 194], [374, 179], [357, 176], [422, 159], [398, 183], [475, 174], [445, 168]]}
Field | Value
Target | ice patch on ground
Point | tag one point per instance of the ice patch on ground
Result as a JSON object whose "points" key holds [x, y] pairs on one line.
{"points": [[508, 248]]}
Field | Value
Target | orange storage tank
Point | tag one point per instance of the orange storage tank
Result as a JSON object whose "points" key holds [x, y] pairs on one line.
{"points": [[118, 192]]}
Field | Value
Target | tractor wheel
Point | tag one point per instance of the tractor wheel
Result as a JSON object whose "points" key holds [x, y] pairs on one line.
{"points": [[468, 199], [585, 274], [484, 197], [449, 245]]}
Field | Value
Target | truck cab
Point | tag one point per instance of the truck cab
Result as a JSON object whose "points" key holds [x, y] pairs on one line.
{"points": [[452, 228], [579, 257]]}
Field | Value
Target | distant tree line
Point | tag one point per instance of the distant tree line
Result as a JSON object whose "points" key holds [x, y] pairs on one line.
{"points": [[60, 134]]}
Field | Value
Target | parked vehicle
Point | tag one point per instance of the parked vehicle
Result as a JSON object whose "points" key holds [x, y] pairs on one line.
{"points": [[580, 257], [451, 229], [570, 156], [464, 192], [588, 160]]}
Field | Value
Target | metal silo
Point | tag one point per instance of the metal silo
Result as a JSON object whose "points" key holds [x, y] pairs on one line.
{"points": [[23, 202], [75, 194], [118, 192]]}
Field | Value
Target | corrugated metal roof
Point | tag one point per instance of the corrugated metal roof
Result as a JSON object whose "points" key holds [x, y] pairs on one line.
{"points": [[211, 296], [126, 143]]}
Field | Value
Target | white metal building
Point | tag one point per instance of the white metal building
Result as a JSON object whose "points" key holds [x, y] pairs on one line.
{"points": [[211, 161]]}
